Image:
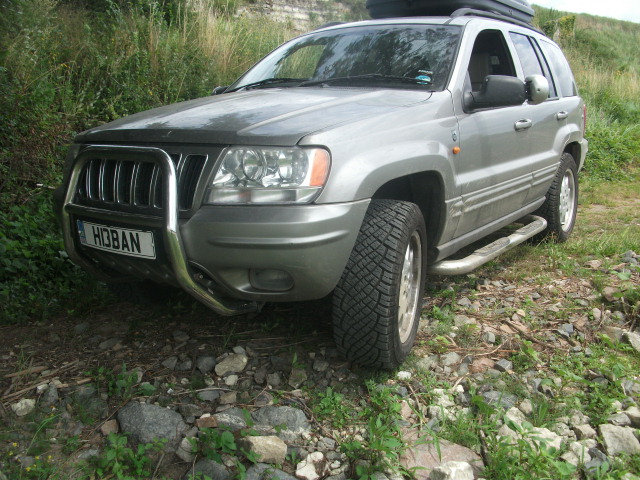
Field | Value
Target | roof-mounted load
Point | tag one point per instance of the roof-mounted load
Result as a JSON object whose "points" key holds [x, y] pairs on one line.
{"points": [[516, 9]]}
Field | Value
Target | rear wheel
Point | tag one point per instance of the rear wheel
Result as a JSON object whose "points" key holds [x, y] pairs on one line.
{"points": [[377, 303], [561, 206]]}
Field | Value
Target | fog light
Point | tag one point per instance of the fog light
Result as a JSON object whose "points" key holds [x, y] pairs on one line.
{"points": [[270, 280]]}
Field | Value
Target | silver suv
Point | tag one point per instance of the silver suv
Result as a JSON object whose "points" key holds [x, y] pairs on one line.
{"points": [[352, 160]]}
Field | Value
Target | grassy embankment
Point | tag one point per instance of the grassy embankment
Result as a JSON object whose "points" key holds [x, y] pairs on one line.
{"points": [[69, 65]]}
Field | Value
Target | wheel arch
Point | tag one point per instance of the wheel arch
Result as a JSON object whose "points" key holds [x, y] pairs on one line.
{"points": [[426, 190], [575, 149]]}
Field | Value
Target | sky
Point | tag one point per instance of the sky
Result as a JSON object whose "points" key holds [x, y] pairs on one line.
{"points": [[621, 9]]}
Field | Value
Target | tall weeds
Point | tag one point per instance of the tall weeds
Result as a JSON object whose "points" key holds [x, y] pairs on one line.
{"points": [[66, 68], [603, 56]]}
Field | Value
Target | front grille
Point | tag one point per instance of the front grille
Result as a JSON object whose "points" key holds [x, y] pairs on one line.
{"points": [[138, 185]]}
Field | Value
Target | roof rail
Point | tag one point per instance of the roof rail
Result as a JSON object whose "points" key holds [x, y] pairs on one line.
{"points": [[463, 12]]}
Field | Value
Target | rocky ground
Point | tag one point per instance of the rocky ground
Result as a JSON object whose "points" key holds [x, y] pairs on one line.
{"points": [[229, 395]]}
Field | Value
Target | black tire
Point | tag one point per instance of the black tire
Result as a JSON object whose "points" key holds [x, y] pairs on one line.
{"points": [[561, 205], [378, 301]]}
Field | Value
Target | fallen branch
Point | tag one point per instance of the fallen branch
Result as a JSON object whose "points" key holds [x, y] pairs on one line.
{"points": [[530, 337], [26, 371]]}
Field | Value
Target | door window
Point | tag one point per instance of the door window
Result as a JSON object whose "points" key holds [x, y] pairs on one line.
{"points": [[490, 56], [530, 59], [561, 69]]}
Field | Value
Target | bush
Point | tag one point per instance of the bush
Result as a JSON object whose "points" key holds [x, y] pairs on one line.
{"points": [[37, 279]]}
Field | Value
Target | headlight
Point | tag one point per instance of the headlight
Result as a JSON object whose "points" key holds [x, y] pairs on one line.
{"points": [[269, 175]]}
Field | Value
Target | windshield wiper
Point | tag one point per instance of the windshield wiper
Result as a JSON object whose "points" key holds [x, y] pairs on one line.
{"points": [[368, 76], [266, 82]]}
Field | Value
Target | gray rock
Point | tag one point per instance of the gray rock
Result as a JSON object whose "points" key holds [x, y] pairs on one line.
{"points": [[464, 302], [234, 363], [449, 359], [619, 419], [185, 451], [88, 454], [633, 339], [211, 469], [210, 395], [503, 399], [320, 365], [297, 378], [109, 344], [489, 337], [81, 328], [180, 337], [50, 396], [618, 440], [504, 365], [452, 471], [563, 430], [206, 363], [634, 416], [379, 476], [291, 418], [516, 416], [631, 386], [234, 418], [313, 467], [614, 333], [274, 379], [261, 375], [526, 406], [24, 407], [263, 399], [584, 432], [576, 417], [170, 363], [326, 443], [227, 398], [567, 328], [190, 410], [86, 398], [231, 380], [268, 449], [262, 471], [184, 366], [423, 455], [145, 423], [426, 364]]}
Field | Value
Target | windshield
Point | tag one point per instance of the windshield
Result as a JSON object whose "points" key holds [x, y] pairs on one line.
{"points": [[399, 56]]}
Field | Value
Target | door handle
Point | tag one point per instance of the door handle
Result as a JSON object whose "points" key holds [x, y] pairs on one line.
{"points": [[562, 115], [523, 124]]}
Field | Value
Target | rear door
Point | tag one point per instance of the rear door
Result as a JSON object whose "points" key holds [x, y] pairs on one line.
{"points": [[549, 118]]}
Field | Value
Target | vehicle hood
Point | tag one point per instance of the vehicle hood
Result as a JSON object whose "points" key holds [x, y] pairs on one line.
{"points": [[274, 116]]}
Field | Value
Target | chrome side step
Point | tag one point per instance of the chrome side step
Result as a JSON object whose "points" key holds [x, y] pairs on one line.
{"points": [[487, 253]]}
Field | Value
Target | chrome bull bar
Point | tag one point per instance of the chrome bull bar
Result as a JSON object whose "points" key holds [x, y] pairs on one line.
{"points": [[171, 228]]}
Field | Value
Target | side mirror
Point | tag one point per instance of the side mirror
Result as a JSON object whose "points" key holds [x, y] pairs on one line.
{"points": [[497, 91], [537, 89], [219, 90]]}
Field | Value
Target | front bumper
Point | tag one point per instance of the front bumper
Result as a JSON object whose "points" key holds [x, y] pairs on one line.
{"points": [[228, 257]]}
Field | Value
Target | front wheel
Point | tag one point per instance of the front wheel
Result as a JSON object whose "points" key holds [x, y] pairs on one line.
{"points": [[377, 303], [561, 205]]}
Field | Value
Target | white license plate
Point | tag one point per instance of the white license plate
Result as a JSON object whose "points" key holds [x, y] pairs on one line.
{"points": [[135, 243]]}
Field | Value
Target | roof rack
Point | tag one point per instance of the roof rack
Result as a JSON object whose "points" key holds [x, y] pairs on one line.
{"points": [[464, 12]]}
